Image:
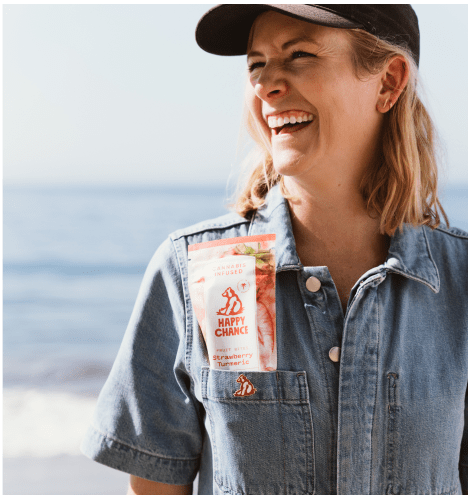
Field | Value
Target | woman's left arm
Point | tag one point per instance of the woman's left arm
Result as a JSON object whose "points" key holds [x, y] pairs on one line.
{"points": [[463, 466]]}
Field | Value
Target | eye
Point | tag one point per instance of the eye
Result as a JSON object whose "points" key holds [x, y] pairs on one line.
{"points": [[301, 54], [255, 65]]}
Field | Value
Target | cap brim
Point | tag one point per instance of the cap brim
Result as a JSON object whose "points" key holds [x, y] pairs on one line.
{"points": [[225, 29]]}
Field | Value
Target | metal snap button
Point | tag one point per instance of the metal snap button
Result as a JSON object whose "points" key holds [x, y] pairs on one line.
{"points": [[334, 354], [313, 284]]}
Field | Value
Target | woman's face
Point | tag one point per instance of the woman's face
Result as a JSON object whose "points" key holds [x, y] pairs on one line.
{"points": [[302, 73]]}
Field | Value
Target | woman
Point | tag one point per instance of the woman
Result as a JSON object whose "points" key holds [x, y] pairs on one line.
{"points": [[371, 292]]}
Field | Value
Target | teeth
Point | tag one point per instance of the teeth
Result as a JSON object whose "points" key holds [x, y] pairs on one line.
{"points": [[280, 121]]}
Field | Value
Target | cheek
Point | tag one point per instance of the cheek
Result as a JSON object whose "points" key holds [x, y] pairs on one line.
{"points": [[254, 105]]}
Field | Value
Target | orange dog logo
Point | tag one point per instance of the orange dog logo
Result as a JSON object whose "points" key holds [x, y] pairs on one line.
{"points": [[246, 387], [233, 305]]}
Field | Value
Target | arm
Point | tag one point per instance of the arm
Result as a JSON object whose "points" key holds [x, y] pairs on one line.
{"points": [[147, 420], [140, 486], [463, 467]]}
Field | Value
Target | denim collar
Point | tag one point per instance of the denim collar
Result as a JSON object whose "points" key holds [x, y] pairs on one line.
{"points": [[409, 253], [274, 218]]}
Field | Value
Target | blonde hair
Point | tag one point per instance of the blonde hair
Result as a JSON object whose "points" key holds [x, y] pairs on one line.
{"points": [[403, 189]]}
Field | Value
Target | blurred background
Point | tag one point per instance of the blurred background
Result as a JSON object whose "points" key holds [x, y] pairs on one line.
{"points": [[118, 130]]}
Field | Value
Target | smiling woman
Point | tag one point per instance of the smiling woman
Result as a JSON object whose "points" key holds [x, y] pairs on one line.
{"points": [[367, 389], [404, 186]]}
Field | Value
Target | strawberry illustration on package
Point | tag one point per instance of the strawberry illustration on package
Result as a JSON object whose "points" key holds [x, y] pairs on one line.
{"points": [[232, 286]]}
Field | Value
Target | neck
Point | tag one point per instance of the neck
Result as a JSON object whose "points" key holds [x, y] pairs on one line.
{"points": [[329, 211], [333, 228]]}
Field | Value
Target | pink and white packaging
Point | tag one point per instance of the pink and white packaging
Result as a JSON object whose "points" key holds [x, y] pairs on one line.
{"points": [[232, 286]]}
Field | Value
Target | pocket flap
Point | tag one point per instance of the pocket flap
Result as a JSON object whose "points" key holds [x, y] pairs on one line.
{"points": [[277, 385]]}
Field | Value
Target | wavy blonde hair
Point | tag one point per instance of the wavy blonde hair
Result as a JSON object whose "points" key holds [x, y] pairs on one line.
{"points": [[403, 188]]}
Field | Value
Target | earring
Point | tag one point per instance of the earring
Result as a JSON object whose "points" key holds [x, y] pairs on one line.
{"points": [[387, 101], [384, 106]]}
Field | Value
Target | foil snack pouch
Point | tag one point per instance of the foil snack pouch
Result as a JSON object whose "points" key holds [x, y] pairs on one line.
{"points": [[232, 286]]}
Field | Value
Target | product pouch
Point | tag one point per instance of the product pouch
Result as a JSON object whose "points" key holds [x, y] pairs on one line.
{"points": [[232, 286]]}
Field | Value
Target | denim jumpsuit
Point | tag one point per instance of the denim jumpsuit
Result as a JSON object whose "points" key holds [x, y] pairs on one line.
{"points": [[372, 401]]}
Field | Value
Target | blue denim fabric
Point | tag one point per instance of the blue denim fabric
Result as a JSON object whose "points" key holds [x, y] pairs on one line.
{"points": [[387, 419]]}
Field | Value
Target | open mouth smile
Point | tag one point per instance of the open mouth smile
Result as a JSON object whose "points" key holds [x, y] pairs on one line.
{"points": [[289, 122]]}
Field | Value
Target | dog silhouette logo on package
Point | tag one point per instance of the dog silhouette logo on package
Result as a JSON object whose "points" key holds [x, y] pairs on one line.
{"points": [[234, 304]]}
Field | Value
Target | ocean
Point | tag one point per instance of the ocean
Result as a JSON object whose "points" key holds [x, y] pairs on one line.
{"points": [[74, 258]]}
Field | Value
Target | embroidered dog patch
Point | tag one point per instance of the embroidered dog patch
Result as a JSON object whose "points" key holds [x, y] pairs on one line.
{"points": [[246, 387]]}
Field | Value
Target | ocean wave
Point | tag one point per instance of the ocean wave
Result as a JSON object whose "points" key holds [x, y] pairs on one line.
{"points": [[63, 370], [73, 268], [41, 423]]}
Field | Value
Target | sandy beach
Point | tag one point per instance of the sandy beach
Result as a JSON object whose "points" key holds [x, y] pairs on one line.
{"points": [[61, 475]]}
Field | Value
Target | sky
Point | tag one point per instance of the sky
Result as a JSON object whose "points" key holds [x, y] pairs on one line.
{"points": [[122, 94]]}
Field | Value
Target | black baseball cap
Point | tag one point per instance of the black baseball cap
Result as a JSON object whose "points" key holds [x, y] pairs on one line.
{"points": [[224, 29]]}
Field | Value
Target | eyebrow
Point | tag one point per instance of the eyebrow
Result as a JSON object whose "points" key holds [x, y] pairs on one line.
{"points": [[287, 45]]}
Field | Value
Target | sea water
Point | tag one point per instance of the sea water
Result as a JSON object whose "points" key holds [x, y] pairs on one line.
{"points": [[73, 262], [74, 259]]}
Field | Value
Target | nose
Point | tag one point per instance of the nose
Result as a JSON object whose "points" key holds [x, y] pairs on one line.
{"points": [[271, 84]]}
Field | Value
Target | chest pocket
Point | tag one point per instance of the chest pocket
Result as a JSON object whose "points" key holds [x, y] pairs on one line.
{"points": [[262, 437]]}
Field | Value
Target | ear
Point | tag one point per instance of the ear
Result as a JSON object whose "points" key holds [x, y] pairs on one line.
{"points": [[394, 79]]}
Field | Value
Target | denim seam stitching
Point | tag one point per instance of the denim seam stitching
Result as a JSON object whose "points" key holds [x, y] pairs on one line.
{"points": [[453, 234], [452, 491], [428, 246], [282, 431], [305, 409], [333, 452], [243, 400], [205, 377], [301, 391], [350, 306], [391, 434], [413, 277], [216, 475], [188, 317], [375, 394], [208, 228], [146, 452]]}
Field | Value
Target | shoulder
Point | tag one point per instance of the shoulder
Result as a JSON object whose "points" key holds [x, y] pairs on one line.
{"points": [[166, 277], [448, 245], [225, 226], [451, 233], [171, 255], [447, 237]]}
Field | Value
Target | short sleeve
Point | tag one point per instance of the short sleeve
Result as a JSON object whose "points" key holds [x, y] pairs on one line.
{"points": [[147, 421]]}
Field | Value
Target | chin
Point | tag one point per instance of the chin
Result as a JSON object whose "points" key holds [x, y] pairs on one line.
{"points": [[290, 164]]}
